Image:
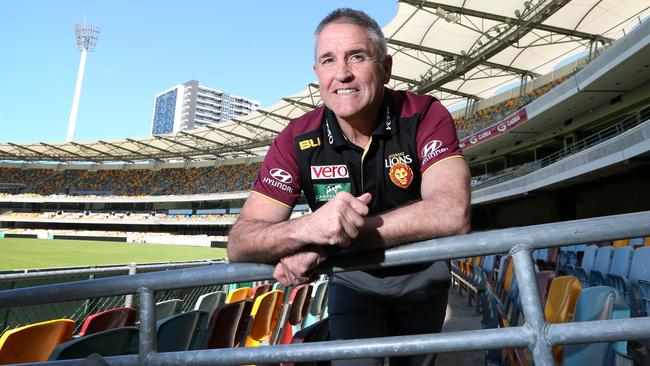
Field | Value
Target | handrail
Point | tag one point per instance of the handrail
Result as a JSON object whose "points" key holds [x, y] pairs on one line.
{"points": [[28, 275], [535, 334]]}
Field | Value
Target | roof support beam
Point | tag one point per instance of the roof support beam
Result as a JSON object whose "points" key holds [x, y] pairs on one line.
{"points": [[494, 65], [496, 45], [216, 129], [225, 147], [299, 103], [83, 158], [504, 19], [13, 155], [38, 153], [166, 152], [203, 151], [274, 115], [145, 157], [444, 90], [255, 126], [114, 157]]}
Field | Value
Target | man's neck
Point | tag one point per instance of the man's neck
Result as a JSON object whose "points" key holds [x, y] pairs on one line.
{"points": [[358, 131]]}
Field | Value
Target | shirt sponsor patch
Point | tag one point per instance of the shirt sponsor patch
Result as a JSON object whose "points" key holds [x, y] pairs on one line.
{"points": [[401, 175], [319, 172], [431, 150], [281, 175], [281, 179], [309, 143], [325, 192]]}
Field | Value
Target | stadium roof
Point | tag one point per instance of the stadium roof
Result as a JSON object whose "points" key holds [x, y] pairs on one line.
{"points": [[456, 50]]}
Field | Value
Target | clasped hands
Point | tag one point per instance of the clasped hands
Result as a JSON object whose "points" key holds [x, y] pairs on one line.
{"points": [[337, 223]]}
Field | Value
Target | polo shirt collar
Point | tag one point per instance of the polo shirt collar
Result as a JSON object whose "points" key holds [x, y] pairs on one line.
{"points": [[386, 126]]}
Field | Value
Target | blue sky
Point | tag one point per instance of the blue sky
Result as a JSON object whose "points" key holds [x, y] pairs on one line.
{"points": [[257, 49]]}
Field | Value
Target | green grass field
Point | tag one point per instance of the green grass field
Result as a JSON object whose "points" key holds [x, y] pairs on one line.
{"points": [[19, 253]]}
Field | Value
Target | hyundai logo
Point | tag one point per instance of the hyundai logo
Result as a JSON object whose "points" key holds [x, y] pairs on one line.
{"points": [[281, 175]]}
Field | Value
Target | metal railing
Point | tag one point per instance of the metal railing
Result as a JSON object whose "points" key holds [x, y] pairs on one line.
{"points": [[78, 310], [624, 124], [535, 334]]}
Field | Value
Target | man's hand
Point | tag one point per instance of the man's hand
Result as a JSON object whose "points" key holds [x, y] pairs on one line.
{"points": [[296, 269], [337, 222]]}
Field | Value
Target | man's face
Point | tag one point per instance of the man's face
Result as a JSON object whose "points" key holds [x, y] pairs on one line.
{"points": [[350, 74]]}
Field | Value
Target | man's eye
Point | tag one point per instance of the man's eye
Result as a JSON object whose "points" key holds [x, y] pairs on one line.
{"points": [[357, 58], [326, 62]]}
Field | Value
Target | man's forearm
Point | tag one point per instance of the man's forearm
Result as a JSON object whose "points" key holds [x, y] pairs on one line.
{"points": [[259, 241], [418, 221]]}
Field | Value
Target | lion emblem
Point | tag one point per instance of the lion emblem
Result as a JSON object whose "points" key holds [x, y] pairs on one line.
{"points": [[401, 175]]}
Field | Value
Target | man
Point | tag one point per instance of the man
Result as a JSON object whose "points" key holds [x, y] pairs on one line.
{"points": [[378, 168]]}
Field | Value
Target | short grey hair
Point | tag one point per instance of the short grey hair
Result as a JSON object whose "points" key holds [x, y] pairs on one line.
{"points": [[356, 17]]}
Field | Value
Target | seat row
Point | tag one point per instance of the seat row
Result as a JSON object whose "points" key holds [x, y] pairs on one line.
{"points": [[244, 316], [564, 297]]}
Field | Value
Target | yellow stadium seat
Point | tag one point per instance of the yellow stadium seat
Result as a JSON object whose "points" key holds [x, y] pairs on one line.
{"points": [[34, 342], [620, 243], [242, 293], [561, 303], [264, 317]]}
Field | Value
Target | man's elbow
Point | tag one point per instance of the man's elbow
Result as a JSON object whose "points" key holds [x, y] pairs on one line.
{"points": [[463, 221]]}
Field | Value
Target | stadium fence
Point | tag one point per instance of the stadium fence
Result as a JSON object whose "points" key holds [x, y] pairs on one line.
{"points": [[535, 334]]}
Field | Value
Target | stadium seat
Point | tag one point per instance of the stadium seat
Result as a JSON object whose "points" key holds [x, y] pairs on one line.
{"points": [[108, 319], [634, 287], [598, 274], [636, 242], [488, 265], [507, 278], [294, 312], [640, 278], [620, 267], [562, 260], [176, 333], [34, 342], [112, 342], [584, 269], [210, 301], [167, 308], [546, 258], [260, 290], [544, 279], [317, 332], [596, 303], [560, 304], [264, 317], [224, 322], [318, 303], [239, 294]]}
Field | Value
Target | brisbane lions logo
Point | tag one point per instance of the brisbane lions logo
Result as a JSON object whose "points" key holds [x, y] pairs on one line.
{"points": [[401, 175]]}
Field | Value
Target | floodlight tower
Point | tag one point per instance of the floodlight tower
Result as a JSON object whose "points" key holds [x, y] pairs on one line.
{"points": [[86, 35]]}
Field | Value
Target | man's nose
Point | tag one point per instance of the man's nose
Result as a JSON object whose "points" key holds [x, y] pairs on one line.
{"points": [[343, 72]]}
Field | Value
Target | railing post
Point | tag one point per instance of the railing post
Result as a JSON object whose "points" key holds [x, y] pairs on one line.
{"points": [[531, 305], [128, 299], [147, 338]]}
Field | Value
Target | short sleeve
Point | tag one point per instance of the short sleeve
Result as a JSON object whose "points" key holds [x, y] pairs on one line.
{"points": [[436, 136], [278, 177]]}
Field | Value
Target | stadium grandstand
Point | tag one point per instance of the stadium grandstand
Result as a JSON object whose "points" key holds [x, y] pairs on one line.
{"points": [[551, 102]]}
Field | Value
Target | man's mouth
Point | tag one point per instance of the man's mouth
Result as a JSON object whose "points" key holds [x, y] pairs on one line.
{"points": [[346, 91]]}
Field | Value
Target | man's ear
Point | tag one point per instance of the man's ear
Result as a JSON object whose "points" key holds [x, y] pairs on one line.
{"points": [[388, 68]]}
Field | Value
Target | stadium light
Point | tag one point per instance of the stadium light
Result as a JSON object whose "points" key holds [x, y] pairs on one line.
{"points": [[86, 35]]}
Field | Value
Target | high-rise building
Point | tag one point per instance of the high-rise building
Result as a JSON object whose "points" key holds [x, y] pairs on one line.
{"points": [[190, 105]]}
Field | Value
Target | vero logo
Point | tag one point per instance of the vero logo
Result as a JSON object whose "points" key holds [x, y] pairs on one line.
{"points": [[329, 172]]}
